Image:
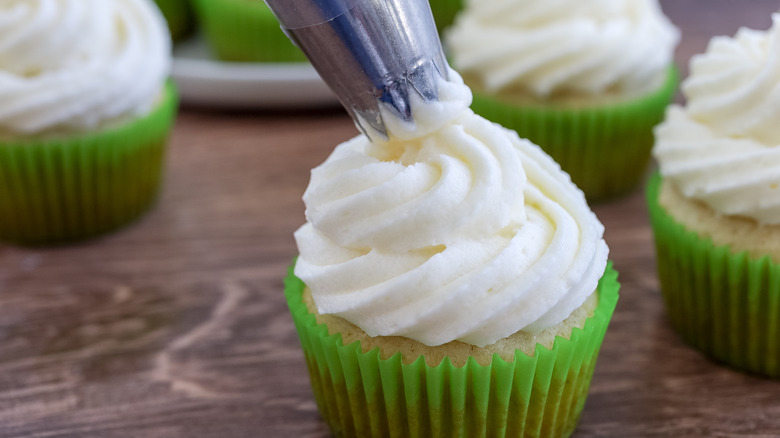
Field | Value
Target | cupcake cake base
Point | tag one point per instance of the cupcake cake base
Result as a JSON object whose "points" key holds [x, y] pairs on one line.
{"points": [[361, 394]]}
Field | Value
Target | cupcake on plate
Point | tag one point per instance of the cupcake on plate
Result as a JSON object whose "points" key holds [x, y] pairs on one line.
{"points": [[84, 116], [178, 14], [715, 205], [585, 80], [244, 31], [451, 281]]}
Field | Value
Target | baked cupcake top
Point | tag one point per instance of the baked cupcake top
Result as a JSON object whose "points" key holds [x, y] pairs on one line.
{"points": [[76, 65], [723, 148], [551, 48], [453, 229]]}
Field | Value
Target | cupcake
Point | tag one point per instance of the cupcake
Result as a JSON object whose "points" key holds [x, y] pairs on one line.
{"points": [[84, 116], [715, 205], [178, 15], [244, 31], [451, 281], [585, 80]]}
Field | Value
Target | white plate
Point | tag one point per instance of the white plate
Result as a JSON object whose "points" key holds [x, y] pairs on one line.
{"points": [[204, 81]]}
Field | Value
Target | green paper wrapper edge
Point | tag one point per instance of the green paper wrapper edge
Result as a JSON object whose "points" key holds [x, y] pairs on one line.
{"points": [[604, 148], [360, 394], [244, 31], [67, 188], [725, 304]]}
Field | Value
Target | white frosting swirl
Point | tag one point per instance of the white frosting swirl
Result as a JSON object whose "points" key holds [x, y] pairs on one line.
{"points": [[735, 86], [724, 147], [549, 47], [465, 232], [72, 65]]}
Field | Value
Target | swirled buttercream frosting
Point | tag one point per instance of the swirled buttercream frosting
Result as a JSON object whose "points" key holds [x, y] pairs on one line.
{"points": [[459, 230], [563, 47], [73, 65], [723, 148]]}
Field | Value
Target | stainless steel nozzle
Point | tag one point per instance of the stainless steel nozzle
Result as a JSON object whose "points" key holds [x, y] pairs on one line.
{"points": [[369, 52]]}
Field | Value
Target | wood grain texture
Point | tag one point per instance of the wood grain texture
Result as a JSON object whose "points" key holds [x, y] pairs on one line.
{"points": [[176, 326]]}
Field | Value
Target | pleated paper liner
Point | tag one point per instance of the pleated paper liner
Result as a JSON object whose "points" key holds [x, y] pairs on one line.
{"points": [[244, 31], [605, 149], [724, 304], [361, 395], [70, 188], [179, 16]]}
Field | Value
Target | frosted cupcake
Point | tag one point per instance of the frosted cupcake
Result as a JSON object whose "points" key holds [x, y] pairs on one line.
{"points": [[244, 31], [84, 116], [585, 80], [716, 204], [452, 281]]}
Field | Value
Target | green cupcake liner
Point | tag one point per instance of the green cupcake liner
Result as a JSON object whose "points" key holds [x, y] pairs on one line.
{"points": [[361, 395], [444, 12], [605, 149], [244, 31], [57, 190], [724, 304], [178, 14]]}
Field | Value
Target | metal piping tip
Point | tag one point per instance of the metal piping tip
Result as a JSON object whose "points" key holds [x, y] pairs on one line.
{"points": [[371, 53]]}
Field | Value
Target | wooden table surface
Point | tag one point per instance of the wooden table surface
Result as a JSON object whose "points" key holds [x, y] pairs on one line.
{"points": [[177, 327]]}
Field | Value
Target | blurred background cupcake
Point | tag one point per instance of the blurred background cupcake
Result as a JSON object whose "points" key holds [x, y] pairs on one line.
{"points": [[178, 15], [244, 31], [715, 206], [585, 80], [84, 116]]}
